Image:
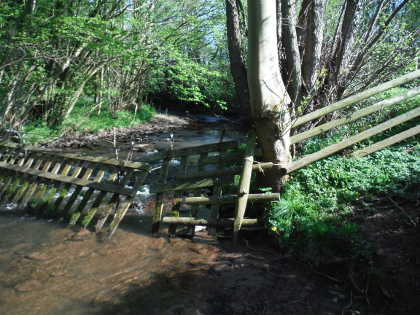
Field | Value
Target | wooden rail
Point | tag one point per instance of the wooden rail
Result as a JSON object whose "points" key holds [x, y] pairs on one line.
{"points": [[310, 158], [80, 189], [196, 178], [356, 98], [387, 142], [356, 115]]}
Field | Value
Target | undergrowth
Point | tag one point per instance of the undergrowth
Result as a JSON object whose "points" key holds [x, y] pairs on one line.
{"points": [[314, 213], [314, 216]]}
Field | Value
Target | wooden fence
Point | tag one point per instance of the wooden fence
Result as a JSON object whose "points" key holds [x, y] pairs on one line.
{"points": [[213, 175], [345, 103], [205, 179], [216, 184], [69, 186]]}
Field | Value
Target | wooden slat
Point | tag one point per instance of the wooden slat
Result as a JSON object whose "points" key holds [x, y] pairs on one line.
{"points": [[159, 205], [12, 184], [58, 187], [119, 215], [25, 180], [310, 158], [357, 98], [88, 194], [70, 180], [226, 199], [65, 189], [88, 216], [86, 174], [356, 115], [115, 200], [188, 185], [50, 191], [95, 160], [110, 205], [26, 196], [387, 142]]}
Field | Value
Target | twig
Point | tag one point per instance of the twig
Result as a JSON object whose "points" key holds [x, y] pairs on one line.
{"points": [[326, 276], [403, 211], [115, 143]]}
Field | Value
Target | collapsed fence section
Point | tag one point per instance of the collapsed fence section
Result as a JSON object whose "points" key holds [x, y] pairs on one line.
{"points": [[80, 190]]}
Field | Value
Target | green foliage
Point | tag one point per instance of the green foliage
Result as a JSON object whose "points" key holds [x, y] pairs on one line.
{"points": [[60, 52], [83, 119], [318, 201], [180, 78], [38, 132]]}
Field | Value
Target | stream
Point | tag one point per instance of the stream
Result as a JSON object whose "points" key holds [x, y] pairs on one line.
{"points": [[47, 268]]}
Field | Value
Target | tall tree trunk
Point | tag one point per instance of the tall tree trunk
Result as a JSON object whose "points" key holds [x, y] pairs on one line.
{"points": [[343, 37], [313, 42], [237, 64], [269, 98], [292, 75]]}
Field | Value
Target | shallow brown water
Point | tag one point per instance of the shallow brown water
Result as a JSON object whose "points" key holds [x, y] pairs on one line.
{"points": [[50, 269]]}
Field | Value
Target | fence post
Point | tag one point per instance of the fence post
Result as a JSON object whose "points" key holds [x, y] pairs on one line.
{"points": [[244, 186]]}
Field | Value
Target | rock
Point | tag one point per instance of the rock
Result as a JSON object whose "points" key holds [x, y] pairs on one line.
{"points": [[81, 235], [143, 147], [37, 256]]}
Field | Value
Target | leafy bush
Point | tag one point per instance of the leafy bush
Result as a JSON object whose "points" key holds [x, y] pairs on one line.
{"points": [[180, 78]]}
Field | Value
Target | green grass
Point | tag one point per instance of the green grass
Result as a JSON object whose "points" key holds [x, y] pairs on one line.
{"points": [[83, 120]]}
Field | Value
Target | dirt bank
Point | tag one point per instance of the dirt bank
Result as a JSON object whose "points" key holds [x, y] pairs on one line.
{"points": [[160, 123]]}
